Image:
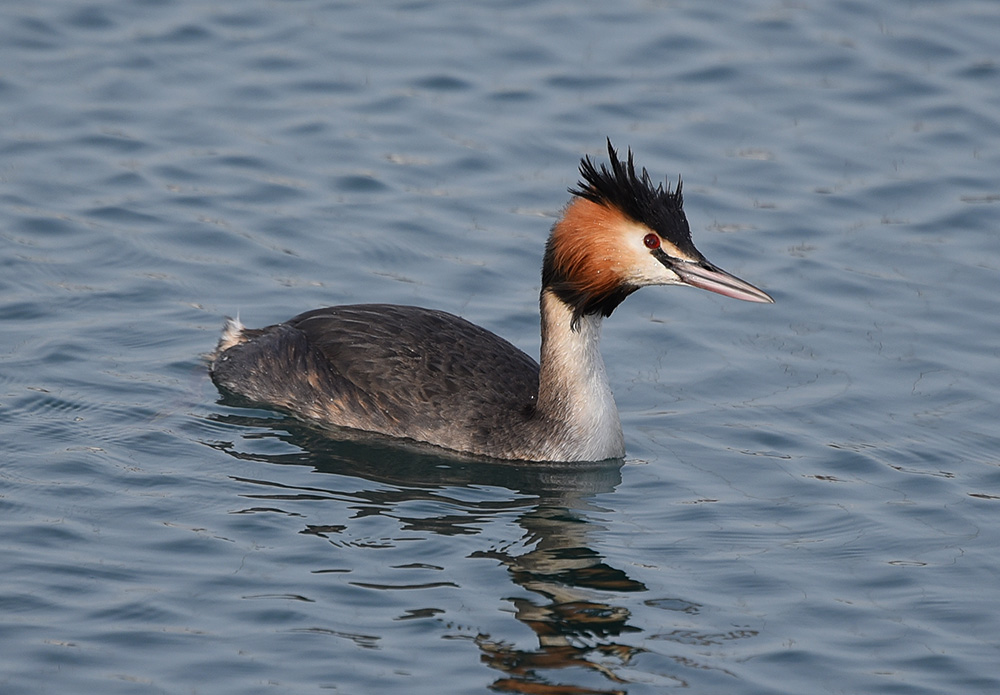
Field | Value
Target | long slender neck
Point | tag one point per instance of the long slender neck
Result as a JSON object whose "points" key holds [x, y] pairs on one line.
{"points": [[573, 389]]}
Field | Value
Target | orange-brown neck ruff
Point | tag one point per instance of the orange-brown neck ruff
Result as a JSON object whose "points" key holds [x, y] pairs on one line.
{"points": [[583, 258]]}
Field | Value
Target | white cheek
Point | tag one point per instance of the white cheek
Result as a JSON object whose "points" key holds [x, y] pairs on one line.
{"points": [[652, 272], [642, 268]]}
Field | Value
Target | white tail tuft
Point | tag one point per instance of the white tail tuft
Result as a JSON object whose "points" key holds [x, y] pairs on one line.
{"points": [[232, 334]]}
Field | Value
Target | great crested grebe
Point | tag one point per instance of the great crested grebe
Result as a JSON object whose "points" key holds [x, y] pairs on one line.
{"points": [[433, 377]]}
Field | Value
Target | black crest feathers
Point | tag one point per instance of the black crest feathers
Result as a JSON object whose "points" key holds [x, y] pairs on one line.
{"points": [[656, 206]]}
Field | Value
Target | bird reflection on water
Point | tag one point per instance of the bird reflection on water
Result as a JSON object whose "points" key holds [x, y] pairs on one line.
{"points": [[571, 610]]}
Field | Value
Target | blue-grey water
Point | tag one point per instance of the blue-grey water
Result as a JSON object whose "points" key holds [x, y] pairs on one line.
{"points": [[811, 499]]}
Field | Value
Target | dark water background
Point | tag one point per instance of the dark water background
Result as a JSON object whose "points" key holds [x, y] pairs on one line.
{"points": [[811, 501]]}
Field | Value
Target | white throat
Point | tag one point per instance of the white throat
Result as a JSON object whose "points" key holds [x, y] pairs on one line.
{"points": [[573, 385]]}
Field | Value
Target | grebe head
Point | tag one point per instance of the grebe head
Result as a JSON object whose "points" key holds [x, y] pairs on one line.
{"points": [[621, 233]]}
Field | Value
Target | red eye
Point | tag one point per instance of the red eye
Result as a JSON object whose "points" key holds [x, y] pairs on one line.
{"points": [[651, 241]]}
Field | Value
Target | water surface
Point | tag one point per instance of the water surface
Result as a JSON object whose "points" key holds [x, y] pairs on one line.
{"points": [[810, 500]]}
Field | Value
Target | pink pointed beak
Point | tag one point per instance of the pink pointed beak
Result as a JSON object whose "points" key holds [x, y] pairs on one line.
{"points": [[708, 277]]}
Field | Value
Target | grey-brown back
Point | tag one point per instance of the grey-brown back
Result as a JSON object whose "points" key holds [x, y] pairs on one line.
{"points": [[400, 370]]}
